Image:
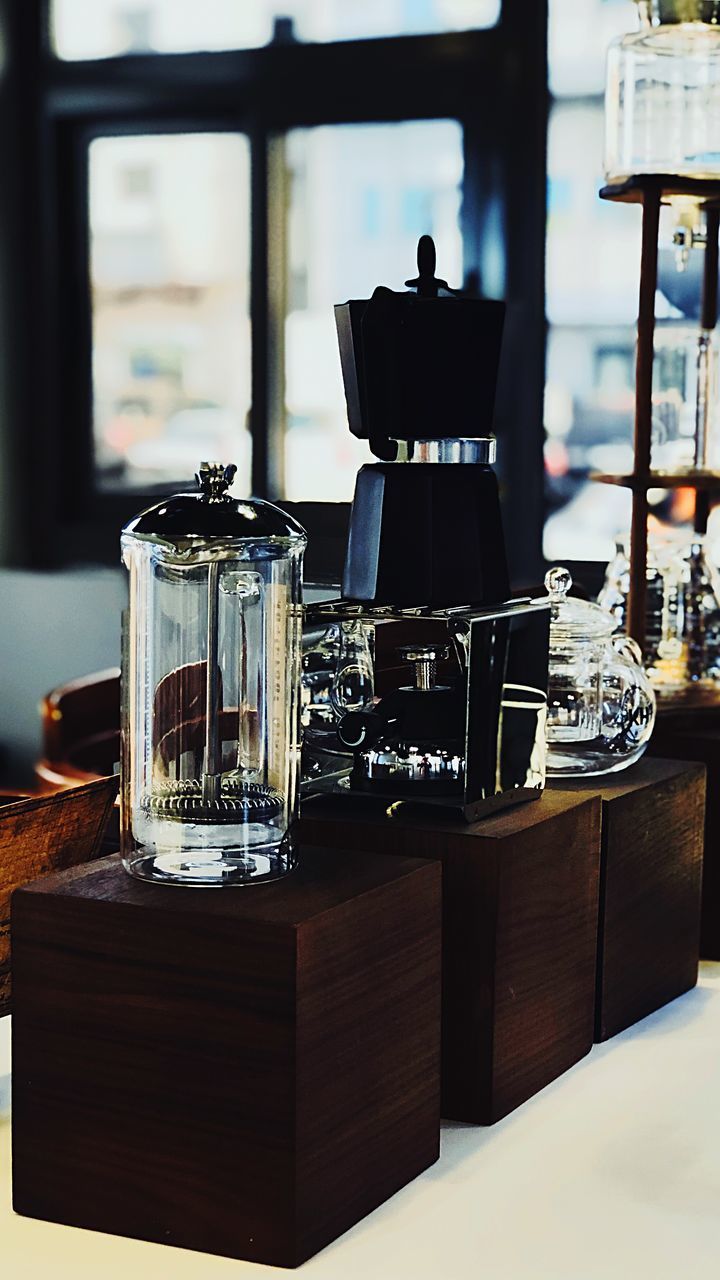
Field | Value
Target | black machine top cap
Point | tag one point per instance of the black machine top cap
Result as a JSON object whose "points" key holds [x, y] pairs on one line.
{"points": [[426, 282], [420, 365]]}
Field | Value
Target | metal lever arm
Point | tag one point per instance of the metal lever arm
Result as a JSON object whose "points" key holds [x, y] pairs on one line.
{"points": [[359, 729]]}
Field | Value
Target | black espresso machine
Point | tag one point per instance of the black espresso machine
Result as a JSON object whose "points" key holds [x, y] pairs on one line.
{"points": [[426, 683]]}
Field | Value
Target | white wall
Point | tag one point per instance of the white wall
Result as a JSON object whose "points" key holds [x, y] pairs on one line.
{"points": [[53, 627]]}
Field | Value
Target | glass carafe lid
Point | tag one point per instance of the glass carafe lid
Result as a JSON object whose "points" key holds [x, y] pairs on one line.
{"points": [[211, 520], [572, 619]]}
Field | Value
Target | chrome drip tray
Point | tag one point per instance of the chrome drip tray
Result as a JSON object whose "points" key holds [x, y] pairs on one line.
{"points": [[239, 802]]}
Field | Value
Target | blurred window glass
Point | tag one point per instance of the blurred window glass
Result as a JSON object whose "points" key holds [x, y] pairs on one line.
{"points": [[107, 28], [360, 196], [578, 36], [169, 267], [593, 271]]}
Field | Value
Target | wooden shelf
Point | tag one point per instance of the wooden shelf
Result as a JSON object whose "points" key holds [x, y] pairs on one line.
{"points": [[634, 190], [708, 481]]}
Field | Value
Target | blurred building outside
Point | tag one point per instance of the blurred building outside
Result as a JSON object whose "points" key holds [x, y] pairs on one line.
{"points": [[169, 220], [170, 285], [111, 28]]}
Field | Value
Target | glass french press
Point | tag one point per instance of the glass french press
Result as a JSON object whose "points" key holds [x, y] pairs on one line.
{"points": [[211, 680]]}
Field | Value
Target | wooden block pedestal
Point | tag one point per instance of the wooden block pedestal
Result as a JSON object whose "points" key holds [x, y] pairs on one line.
{"points": [[649, 921], [520, 902], [245, 1071], [695, 736]]}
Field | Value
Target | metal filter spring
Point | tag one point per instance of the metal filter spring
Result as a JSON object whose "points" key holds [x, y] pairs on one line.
{"points": [[239, 801]]}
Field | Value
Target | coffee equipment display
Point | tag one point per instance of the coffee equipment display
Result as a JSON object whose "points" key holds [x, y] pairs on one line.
{"points": [[211, 688], [438, 689]]}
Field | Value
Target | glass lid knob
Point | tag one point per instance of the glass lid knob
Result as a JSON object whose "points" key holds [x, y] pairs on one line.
{"points": [[557, 583], [214, 480]]}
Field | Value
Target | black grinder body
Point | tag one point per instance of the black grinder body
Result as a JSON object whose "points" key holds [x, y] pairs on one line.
{"points": [[420, 372], [427, 534]]}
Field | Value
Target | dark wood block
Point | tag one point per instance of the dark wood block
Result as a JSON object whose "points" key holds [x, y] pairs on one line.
{"points": [[651, 872], [520, 902], [245, 1072], [694, 736]]}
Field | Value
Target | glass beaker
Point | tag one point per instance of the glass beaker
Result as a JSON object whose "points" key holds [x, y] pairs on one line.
{"points": [[662, 99]]}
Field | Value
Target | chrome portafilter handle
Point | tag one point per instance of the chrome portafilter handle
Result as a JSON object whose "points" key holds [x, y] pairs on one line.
{"points": [[425, 658]]}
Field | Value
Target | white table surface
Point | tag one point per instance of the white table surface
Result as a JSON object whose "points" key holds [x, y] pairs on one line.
{"points": [[613, 1171]]}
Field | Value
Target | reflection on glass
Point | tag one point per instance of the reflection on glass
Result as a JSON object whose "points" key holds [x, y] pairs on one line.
{"points": [[108, 28], [169, 219], [361, 195]]}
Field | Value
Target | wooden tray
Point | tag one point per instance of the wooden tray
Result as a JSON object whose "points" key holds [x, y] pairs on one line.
{"points": [[43, 834]]}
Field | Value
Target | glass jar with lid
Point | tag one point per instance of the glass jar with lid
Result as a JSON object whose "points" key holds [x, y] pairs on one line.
{"points": [[211, 688], [662, 101], [601, 705]]}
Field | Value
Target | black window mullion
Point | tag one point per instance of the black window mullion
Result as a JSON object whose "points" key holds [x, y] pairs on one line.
{"points": [[268, 307], [402, 77], [523, 135], [69, 322], [259, 312], [23, 468]]}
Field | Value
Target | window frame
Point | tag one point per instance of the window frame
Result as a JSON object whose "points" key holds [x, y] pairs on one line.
{"points": [[493, 82]]}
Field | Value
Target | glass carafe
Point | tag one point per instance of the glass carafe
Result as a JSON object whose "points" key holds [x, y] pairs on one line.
{"points": [[601, 706], [662, 102], [211, 688], [337, 677]]}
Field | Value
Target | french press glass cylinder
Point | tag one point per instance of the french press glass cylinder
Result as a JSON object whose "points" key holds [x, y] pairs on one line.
{"points": [[211, 680]]}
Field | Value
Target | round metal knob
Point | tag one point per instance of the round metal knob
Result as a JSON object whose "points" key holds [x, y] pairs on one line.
{"points": [[214, 479]]}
